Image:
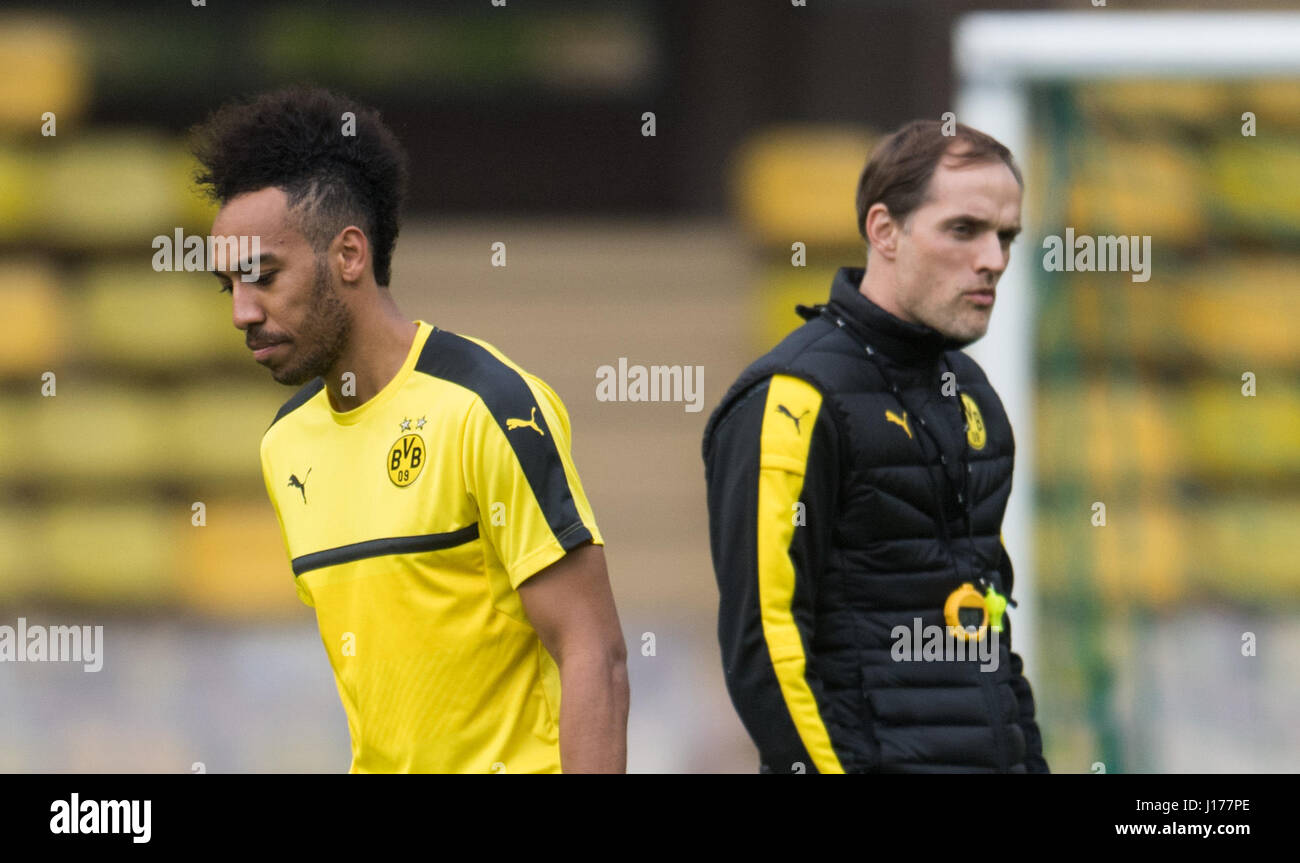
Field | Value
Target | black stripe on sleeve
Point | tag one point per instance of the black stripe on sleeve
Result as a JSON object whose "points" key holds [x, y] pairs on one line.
{"points": [[507, 396]]}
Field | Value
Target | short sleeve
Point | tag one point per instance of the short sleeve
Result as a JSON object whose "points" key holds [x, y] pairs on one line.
{"points": [[519, 471]]}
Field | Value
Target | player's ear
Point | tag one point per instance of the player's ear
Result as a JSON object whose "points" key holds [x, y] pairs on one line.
{"points": [[881, 230], [352, 251]]}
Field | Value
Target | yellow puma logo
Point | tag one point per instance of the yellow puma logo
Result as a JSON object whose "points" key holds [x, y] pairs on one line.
{"points": [[893, 418], [531, 422]]}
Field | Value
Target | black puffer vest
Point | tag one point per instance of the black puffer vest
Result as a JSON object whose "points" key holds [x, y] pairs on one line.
{"points": [[894, 558]]}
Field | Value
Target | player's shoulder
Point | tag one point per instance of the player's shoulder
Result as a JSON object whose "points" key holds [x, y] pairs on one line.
{"points": [[295, 402], [500, 384]]}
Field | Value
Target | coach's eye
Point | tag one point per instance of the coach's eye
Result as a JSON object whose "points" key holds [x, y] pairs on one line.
{"points": [[964, 230], [224, 289]]}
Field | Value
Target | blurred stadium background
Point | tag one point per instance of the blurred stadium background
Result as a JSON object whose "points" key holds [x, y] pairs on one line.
{"points": [[524, 127]]}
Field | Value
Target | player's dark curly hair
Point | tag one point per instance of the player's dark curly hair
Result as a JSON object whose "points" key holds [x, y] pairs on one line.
{"points": [[294, 139]]}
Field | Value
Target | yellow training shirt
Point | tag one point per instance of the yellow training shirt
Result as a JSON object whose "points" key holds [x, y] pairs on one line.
{"points": [[410, 523]]}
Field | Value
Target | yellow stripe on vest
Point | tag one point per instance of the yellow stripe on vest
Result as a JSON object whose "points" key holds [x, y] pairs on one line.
{"points": [[788, 418]]}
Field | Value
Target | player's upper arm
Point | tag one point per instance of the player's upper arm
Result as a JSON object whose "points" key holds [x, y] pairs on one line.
{"points": [[571, 605]]}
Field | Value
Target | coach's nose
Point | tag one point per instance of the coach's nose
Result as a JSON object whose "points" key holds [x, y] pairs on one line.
{"points": [[991, 256]]}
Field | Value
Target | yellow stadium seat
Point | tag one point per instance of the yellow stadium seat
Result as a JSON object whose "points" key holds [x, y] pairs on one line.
{"points": [[1154, 99], [109, 553], [1256, 183], [116, 188], [235, 566], [133, 315], [1238, 315], [221, 426], [800, 183], [22, 565], [36, 339], [1247, 550], [96, 431], [1123, 185], [1156, 551], [21, 179], [1234, 436], [1245, 313], [42, 68], [1107, 435], [783, 287], [1110, 434], [1274, 101], [1139, 557]]}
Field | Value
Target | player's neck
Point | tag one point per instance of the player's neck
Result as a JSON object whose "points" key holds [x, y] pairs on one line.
{"points": [[379, 344]]}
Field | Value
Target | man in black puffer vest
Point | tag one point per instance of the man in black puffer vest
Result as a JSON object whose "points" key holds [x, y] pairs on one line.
{"points": [[857, 478]]}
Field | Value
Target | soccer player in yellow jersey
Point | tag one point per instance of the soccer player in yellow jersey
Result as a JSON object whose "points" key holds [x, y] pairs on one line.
{"points": [[423, 482]]}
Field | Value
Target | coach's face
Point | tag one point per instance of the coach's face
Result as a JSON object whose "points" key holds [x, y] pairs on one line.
{"points": [[956, 245], [294, 320]]}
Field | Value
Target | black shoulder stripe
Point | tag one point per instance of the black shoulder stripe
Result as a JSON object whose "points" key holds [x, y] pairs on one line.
{"points": [[510, 401], [299, 398]]}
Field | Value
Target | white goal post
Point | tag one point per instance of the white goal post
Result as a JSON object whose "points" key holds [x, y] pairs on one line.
{"points": [[997, 56]]}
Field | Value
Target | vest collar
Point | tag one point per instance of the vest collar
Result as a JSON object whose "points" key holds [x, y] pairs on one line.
{"points": [[904, 342]]}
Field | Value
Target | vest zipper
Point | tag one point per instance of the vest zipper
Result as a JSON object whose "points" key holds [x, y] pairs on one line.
{"points": [[996, 724]]}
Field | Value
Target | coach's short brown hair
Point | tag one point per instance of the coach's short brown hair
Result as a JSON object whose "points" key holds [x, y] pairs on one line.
{"points": [[899, 170]]}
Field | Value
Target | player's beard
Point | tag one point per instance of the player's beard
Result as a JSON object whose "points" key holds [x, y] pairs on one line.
{"points": [[324, 335]]}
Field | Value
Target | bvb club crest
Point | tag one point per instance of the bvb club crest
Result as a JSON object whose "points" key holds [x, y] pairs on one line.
{"points": [[406, 459], [975, 433]]}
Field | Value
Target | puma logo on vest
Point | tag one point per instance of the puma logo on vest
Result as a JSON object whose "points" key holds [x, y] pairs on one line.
{"points": [[785, 410], [893, 418], [531, 422]]}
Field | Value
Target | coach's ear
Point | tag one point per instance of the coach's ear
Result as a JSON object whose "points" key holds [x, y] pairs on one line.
{"points": [[882, 231]]}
